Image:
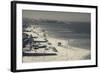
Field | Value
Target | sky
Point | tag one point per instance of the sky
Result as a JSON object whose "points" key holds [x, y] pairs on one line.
{"points": [[52, 15]]}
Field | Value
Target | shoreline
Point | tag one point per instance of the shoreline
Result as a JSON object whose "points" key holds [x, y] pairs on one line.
{"points": [[63, 54], [65, 51]]}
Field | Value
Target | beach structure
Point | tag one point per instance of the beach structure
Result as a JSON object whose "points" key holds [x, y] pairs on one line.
{"points": [[35, 43]]}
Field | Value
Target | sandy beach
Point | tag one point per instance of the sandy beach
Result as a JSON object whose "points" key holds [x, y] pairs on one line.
{"points": [[64, 53]]}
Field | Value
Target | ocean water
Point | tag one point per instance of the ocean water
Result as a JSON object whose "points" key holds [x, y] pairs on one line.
{"points": [[78, 33]]}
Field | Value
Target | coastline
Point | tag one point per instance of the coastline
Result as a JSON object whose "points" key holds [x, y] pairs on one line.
{"points": [[63, 54]]}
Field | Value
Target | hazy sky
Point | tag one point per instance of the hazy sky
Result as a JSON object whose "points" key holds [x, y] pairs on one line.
{"points": [[65, 16]]}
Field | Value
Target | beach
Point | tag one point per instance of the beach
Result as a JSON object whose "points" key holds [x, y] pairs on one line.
{"points": [[64, 53]]}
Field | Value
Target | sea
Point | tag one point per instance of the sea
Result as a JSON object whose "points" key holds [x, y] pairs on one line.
{"points": [[78, 33]]}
